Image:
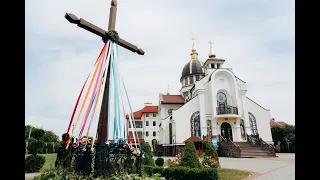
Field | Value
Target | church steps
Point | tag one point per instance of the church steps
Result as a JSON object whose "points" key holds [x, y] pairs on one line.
{"points": [[249, 151]]}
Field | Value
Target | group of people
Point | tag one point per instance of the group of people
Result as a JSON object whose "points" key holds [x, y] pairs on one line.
{"points": [[78, 154]]}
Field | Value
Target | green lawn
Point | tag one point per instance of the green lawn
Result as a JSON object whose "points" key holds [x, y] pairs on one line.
{"points": [[232, 174], [50, 159]]}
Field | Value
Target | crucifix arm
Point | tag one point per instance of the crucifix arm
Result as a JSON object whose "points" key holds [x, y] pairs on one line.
{"points": [[101, 32]]}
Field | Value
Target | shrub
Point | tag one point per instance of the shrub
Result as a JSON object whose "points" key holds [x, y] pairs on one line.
{"points": [[210, 158], [34, 163], [190, 157], [182, 173], [35, 147], [160, 153], [150, 170], [148, 159], [159, 161]]}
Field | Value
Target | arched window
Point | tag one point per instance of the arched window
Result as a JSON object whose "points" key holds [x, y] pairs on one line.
{"points": [[253, 124], [195, 124], [170, 133], [222, 103]]}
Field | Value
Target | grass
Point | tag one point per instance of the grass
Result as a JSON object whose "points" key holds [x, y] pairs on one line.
{"points": [[50, 159], [232, 174]]}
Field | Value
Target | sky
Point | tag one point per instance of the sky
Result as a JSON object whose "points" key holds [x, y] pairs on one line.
{"points": [[255, 37]]}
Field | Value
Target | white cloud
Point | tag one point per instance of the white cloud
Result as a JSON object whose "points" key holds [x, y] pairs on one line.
{"points": [[247, 35]]}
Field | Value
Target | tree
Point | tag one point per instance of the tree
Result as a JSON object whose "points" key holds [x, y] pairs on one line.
{"points": [[37, 133], [50, 136], [189, 156], [148, 159], [35, 146], [286, 136], [210, 158]]}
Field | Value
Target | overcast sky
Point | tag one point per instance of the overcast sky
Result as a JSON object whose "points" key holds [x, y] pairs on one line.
{"points": [[255, 37]]}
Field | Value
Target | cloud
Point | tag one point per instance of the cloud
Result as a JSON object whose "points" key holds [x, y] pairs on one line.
{"points": [[256, 38]]}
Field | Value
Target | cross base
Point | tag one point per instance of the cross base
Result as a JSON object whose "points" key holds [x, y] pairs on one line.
{"points": [[100, 161]]}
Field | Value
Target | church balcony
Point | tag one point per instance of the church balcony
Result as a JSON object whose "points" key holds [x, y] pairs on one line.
{"points": [[227, 110]]}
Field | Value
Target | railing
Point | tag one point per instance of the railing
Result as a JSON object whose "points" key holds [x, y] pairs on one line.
{"points": [[270, 148], [228, 148], [258, 142], [227, 110], [253, 141]]}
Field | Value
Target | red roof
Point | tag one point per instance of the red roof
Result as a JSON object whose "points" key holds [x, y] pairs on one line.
{"points": [[146, 109], [193, 139], [277, 123], [172, 99]]}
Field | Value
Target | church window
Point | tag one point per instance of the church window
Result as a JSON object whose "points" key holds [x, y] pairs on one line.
{"points": [[154, 133], [253, 124], [195, 124], [147, 133], [154, 123], [170, 133], [147, 114], [197, 77], [186, 81], [170, 111], [147, 123], [222, 103], [191, 79], [154, 114], [218, 66]]}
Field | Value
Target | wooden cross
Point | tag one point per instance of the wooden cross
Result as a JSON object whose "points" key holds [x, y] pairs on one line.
{"points": [[101, 32], [101, 156]]}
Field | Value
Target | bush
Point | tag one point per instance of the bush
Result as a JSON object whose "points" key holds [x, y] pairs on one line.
{"points": [[189, 156], [160, 153], [34, 163], [148, 159], [182, 173], [150, 170], [35, 146], [159, 161], [210, 158]]}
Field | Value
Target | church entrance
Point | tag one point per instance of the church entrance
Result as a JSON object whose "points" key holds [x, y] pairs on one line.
{"points": [[226, 131]]}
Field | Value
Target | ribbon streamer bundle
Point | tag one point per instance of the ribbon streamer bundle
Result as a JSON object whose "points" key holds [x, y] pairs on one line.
{"points": [[85, 116]]}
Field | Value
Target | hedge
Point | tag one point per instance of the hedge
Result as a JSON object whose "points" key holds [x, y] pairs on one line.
{"points": [[183, 173]]}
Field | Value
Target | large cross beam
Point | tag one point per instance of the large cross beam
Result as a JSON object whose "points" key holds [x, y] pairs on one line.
{"points": [[100, 157]]}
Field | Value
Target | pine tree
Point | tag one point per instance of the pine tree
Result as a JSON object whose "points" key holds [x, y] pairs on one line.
{"points": [[189, 157], [148, 157]]}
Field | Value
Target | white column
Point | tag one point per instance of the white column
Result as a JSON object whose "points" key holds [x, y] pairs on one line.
{"points": [[203, 123], [245, 112], [238, 131]]}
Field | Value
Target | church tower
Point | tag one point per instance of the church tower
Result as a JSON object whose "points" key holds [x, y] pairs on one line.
{"points": [[212, 62], [193, 71]]}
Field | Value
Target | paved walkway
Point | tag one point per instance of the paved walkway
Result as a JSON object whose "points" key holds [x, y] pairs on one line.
{"points": [[276, 168]]}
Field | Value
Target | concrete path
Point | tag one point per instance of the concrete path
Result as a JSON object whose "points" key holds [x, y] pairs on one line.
{"points": [[275, 168], [30, 176]]}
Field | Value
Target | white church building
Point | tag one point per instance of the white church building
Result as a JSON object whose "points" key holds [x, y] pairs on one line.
{"points": [[212, 102]]}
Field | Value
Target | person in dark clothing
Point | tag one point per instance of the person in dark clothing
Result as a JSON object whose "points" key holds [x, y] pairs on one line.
{"points": [[64, 154]]}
